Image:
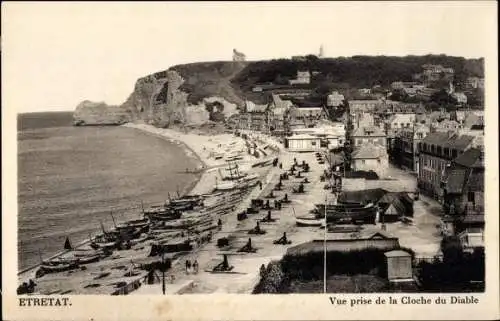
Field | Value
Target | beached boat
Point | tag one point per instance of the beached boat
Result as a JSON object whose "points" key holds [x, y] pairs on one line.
{"points": [[53, 267], [140, 223], [89, 259], [309, 221], [245, 182]]}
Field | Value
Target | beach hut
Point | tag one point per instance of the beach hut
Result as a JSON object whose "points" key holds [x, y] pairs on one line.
{"points": [[399, 266]]}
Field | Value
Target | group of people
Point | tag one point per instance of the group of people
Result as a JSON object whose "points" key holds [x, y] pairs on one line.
{"points": [[193, 266]]}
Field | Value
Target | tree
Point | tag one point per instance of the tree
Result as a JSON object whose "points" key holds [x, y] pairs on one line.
{"points": [[442, 98], [451, 249]]}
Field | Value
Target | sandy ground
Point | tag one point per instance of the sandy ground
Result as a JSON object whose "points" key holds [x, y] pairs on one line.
{"points": [[423, 236]]}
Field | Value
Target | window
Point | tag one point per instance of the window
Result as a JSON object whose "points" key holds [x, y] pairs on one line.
{"points": [[454, 153], [378, 160], [470, 197], [313, 143], [439, 150], [363, 162]]}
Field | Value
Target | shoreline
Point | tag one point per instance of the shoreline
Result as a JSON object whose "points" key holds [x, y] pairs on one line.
{"points": [[188, 151]]}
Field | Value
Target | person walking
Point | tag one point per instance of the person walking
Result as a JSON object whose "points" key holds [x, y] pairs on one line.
{"points": [[195, 267]]}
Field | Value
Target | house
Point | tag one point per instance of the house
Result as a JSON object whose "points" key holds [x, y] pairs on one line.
{"points": [[426, 93], [474, 82], [470, 231], [398, 121], [364, 91], [445, 126], [356, 106], [403, 84], [370, 157], [463, 183], [309, 116], [405, 150], [257, 116], [335, 99], [238, 56], [303, 77], [432, 73], [370, 134], [463, 190], [363, 120], [279, 110], [410, 92], [436, 151], [303, 143]]}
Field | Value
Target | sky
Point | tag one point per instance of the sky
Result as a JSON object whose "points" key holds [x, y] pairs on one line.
{"points": [[55, 55]]}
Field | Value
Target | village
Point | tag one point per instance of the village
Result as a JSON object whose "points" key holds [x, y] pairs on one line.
{"points": [[394, 175]]}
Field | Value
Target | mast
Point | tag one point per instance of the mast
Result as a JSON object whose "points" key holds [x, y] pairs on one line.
{"points": [[102, 228], [142, 207], [40, 256], [114, 223]]}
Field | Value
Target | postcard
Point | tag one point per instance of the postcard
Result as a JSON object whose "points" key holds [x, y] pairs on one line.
{"points": [[250, 161]]}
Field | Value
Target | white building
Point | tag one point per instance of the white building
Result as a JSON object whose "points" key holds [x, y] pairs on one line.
{"points": [[335, 99], [303, 77], [370, 157], [303, 143], [331, 136]]}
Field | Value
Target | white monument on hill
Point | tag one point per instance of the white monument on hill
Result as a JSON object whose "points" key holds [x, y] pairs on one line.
{"points": [[321, 52], [238, 56]]}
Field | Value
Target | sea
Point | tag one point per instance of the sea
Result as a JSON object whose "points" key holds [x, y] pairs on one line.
{"points": [[72, 179]]}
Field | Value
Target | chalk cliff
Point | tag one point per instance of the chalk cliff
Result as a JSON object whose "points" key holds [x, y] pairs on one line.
{"points": [[98, 113], [188, 94]]}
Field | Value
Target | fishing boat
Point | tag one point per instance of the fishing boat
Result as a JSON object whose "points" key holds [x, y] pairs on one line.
{"points": [[245, 182], [140, 223], [54, 266], [89, 258], [309, 221], [162, 213]]}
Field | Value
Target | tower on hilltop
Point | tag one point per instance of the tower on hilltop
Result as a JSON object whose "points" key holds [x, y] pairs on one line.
{"points": [[321, 52]]}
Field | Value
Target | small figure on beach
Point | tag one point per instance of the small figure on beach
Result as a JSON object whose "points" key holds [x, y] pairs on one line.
{"points": [[219, 223], [260, 185], [188, 266], [195, 267], [281, 166]]}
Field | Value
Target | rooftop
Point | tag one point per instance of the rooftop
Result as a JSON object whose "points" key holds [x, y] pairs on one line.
{"points": [[449, 140], [471, 158], [368, 131], [396, 253]]}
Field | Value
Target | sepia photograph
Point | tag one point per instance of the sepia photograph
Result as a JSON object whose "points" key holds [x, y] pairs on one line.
{"points": [[174, 149]]}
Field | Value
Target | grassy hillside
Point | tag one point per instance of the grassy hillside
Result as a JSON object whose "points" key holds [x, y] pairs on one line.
{"points": [[205, 79], [357, 71], [234, 80]]}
